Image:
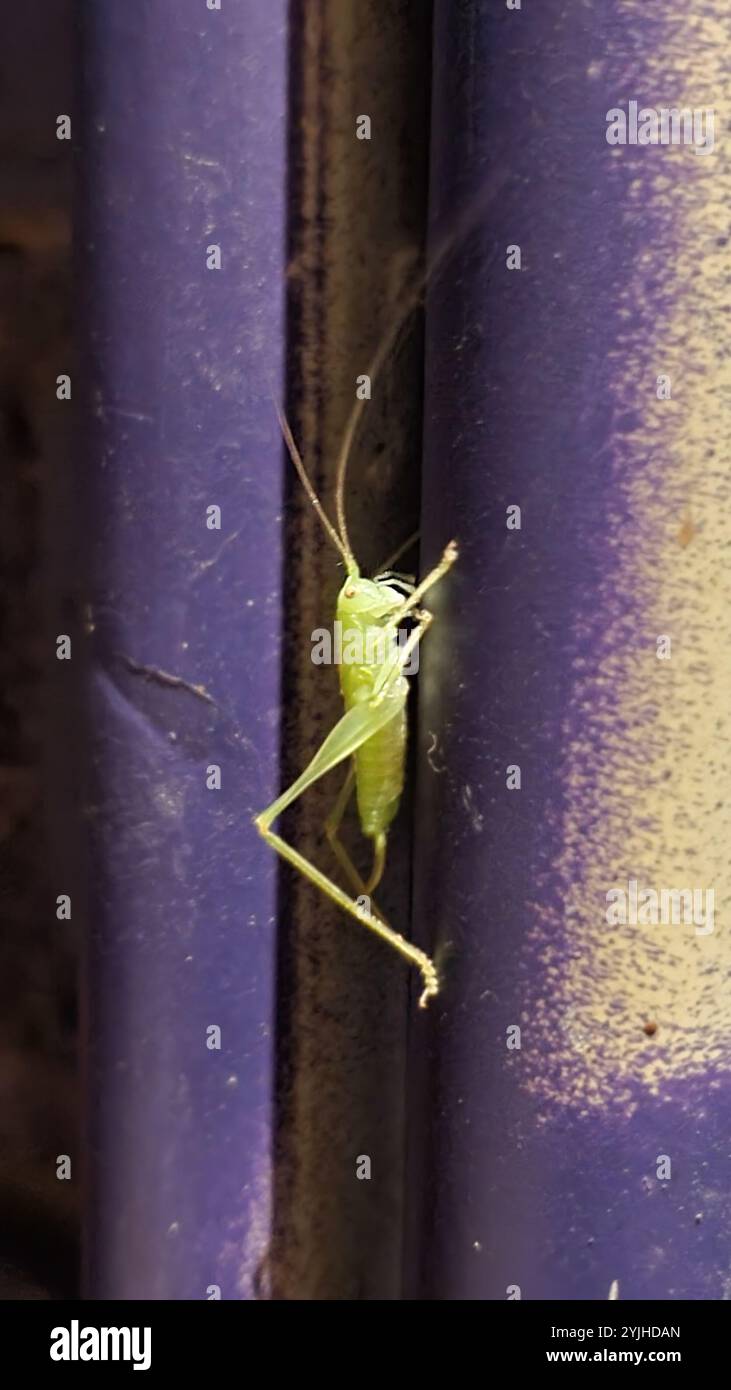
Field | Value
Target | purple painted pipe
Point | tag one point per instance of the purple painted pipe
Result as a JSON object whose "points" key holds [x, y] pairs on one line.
{"points": [[585, 654], [182, 149]]}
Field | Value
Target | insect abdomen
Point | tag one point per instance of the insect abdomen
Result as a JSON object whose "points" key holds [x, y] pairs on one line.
{"points": [[379, 767], [380, 762]]}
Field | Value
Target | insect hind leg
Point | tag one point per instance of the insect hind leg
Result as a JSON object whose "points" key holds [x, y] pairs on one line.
{"points": [[332, 826], [355, 727], [411, 953]]}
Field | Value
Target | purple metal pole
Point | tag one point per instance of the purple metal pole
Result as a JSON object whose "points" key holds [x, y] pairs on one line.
{"points": [[574, 698], [182, 156]]}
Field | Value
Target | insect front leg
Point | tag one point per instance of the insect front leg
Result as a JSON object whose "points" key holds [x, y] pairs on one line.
{"points": [[424, 620], [448, 559]]}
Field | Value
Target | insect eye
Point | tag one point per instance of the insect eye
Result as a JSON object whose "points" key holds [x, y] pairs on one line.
{"points": [[350, 592]]}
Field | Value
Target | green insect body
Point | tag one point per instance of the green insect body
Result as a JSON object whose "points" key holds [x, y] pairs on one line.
{"points": [[364, 607], [370, 738]]}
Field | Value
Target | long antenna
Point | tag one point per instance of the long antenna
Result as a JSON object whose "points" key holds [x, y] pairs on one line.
{"points": [[448, 243], [296, 457], [405, 546], [384, 348]]}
